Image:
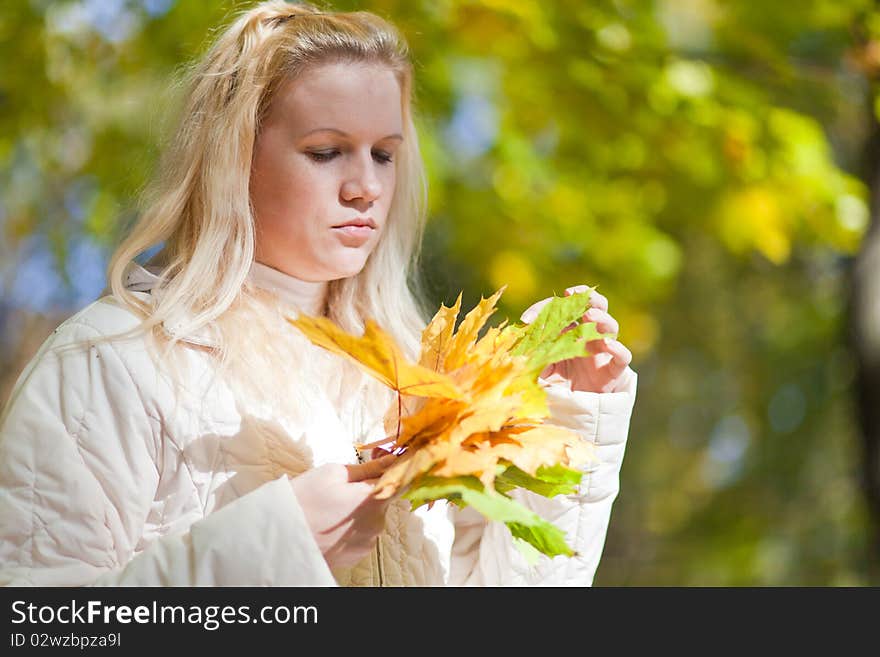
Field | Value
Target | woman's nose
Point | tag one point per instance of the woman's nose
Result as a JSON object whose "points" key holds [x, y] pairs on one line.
{"points": [[364, 184]]}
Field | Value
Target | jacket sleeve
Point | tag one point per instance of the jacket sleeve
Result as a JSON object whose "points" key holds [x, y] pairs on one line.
{"points": [[79, 449], [483, 552]]}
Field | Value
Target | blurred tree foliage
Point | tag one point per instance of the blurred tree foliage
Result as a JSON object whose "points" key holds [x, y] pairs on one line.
{"points": [[699, 160]]}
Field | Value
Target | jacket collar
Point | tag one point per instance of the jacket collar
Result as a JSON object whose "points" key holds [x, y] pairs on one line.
{"points": [[306, 295]]}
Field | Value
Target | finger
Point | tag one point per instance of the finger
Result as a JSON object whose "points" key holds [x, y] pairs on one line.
{"points": [[598, 301], [370, 469], [599, 346], [610, 346], [605, 323], [379, 452], [532, 311], [621, 357]]}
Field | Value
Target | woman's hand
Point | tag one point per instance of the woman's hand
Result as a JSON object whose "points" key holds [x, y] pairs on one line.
{"points": [[606, 369], [340, 509]]}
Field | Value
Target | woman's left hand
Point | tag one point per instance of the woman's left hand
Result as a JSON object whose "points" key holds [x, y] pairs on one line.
{"points": [[606, 368]]}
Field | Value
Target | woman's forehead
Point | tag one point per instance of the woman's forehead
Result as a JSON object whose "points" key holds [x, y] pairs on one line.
{"points": [[350, 98]]}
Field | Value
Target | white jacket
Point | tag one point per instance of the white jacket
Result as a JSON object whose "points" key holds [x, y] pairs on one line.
{"points": [[107, 479]]}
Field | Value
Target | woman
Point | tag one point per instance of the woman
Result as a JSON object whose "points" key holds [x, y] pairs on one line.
{"points": [[180, 432]]}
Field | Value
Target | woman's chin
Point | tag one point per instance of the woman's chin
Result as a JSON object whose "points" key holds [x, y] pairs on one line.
{"points": [[349, 267]]}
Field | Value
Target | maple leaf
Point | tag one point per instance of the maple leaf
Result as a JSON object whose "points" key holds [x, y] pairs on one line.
{"points": [[543, 340], [376, 353], [466, 334], [548, 481], [475, 424], [437, 336], [523, 523]]}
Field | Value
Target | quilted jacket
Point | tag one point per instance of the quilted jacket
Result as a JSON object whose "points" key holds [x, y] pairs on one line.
{"points": [[109, 478]]}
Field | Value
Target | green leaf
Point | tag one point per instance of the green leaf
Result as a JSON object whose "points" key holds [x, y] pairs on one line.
{"points": [[427, 488], [543, 341], [553, 317], [543, 536], [559, 474], [548, 481], [568, 345], [530, 553], [523, 523], [502, 485]]}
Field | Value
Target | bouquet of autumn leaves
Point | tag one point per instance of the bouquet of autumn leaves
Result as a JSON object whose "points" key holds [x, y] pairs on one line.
{"points": [[478, 430]]}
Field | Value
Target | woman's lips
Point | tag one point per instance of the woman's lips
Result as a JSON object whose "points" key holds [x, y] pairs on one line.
{"points": [[353, 235]]}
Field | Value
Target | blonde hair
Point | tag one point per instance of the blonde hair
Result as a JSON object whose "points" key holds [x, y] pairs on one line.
{"points": [[199, 204]]}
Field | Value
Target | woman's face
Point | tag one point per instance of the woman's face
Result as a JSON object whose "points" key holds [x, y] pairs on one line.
{"points": [[323, 158]]}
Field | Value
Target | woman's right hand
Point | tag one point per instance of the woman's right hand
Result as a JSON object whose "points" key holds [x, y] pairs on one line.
{"points": [[340, 509]]}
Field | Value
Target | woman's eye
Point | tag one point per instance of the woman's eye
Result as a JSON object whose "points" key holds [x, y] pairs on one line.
{"points": [[325, 156], [322, 157]]}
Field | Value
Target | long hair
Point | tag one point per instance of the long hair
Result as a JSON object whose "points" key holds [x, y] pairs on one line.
{"points": [[198, 204]]}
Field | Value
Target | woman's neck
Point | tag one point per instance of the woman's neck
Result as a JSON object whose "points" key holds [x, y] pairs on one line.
{"points": [[309, 297]]}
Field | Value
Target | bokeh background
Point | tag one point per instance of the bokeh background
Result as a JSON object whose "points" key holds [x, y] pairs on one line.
{"points": [[709, 164]]}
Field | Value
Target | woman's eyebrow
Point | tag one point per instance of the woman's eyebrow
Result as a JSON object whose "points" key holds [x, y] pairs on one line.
{"points": [[345, 134]]}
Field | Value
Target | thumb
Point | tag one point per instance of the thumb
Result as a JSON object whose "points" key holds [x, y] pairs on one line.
{"points": [[531, 313]]}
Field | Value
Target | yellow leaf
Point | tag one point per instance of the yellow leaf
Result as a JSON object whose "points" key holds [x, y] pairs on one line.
{"points": [[376, 352], [486, 415], [546, 445], [467, 333], [533, 399], [495, 343], [480, 463], [403, 406], [437, 336], [435, 417]]}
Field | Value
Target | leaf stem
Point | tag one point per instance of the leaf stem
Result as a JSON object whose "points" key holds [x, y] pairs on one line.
{"points": [[399, 411]]}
